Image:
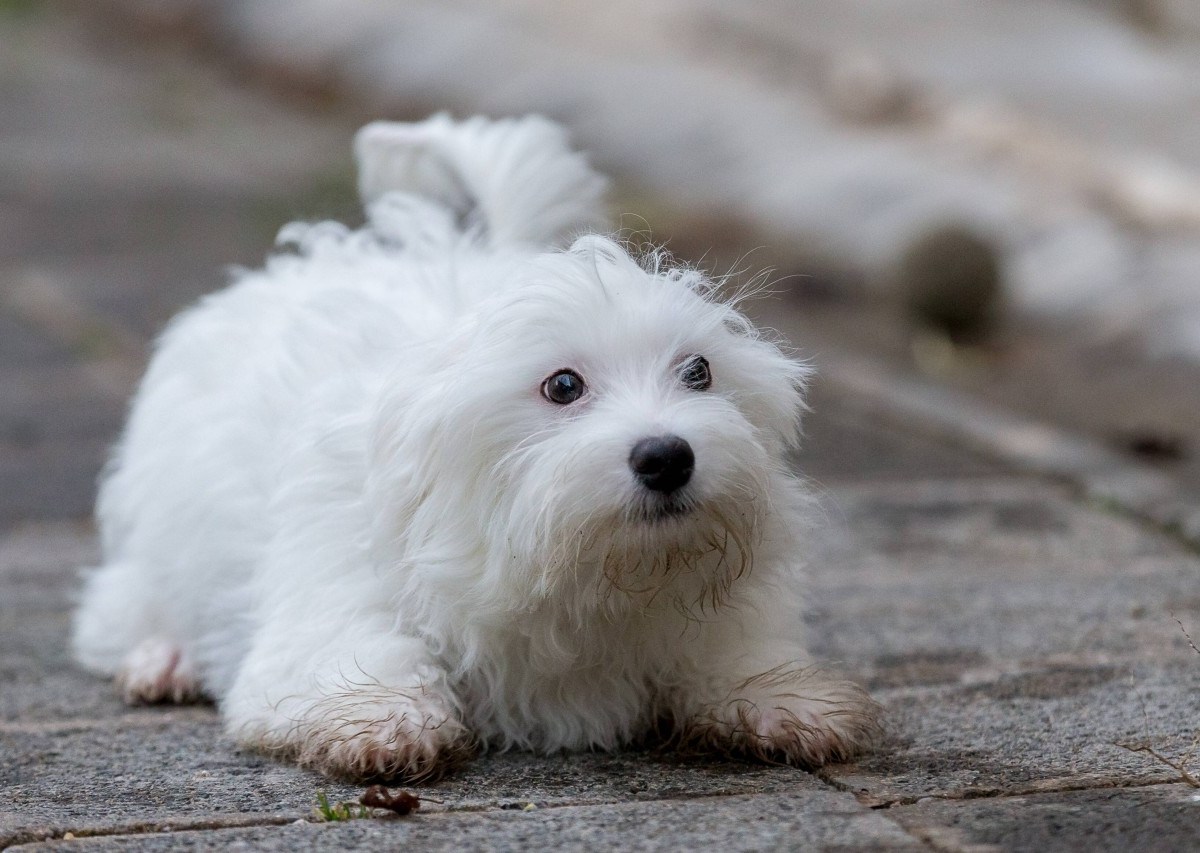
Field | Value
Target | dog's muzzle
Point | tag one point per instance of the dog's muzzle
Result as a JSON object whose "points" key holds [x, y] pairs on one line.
{"points": [[663, 463]]}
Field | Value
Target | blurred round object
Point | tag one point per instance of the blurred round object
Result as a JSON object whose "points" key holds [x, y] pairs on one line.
{"points": [[1165, 17], [859, 87], [1157, 445], [950, 280]]}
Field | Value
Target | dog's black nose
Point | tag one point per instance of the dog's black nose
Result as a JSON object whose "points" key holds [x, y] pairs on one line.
{"points": [[663, 463]]}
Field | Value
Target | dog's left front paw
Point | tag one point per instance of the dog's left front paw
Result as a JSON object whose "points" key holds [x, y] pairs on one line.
{"points": [[360, 734], [798, 716]]}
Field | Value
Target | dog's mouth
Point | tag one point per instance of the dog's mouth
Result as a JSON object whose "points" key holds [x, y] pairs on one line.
{"points": [[663, 510]]}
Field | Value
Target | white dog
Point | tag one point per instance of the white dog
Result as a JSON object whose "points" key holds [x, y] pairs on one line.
{"points": [[435, 485]]}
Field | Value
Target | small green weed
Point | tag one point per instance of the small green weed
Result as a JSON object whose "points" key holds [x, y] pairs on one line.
{"points": [[335, 812]]}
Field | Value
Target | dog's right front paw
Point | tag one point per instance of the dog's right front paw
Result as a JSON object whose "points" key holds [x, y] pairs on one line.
{"points": [[373, 733], [796, 715]]}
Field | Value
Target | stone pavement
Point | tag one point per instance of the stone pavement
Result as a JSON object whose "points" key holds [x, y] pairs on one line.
{"points": [[1016, 618]]}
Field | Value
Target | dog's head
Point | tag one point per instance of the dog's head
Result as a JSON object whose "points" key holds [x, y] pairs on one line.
{"points": [[599, 418]]}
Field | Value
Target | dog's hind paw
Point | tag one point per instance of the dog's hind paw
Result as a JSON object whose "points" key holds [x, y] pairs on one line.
{"points": [[157, 670]]}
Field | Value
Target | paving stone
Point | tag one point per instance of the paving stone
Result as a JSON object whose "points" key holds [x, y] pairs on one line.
{"points": [[844, 439], [1036, 731], [52, 403], [810, 820], [1013, 633], [175, 767], [129, 181], [27, 693], [26, 347], [38, 679], [1157, 818], [39, 565], [146, 768], [940, 580], [77, 115], [56, 480], [46, 555]]}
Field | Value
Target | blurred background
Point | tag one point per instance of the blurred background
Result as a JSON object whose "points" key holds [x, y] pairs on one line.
{"points": [[1000, 197]]}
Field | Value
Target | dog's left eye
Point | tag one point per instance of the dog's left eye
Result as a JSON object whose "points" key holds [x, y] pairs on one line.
{"points": [[695, 373], [564, 387]]}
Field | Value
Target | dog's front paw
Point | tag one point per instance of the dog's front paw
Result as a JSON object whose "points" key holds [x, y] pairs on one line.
{"points": [[370, 733], [799, 716]]}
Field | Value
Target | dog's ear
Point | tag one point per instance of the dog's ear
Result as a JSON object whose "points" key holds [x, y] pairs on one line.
{"points": [[515, 180]]}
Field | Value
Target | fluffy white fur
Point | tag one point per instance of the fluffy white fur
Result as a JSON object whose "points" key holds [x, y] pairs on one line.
{"points": [[344, 510]]}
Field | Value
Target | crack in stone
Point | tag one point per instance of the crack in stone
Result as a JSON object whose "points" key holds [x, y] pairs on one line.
{"points": [[35, 835], [165, 825], [1050, 786]]}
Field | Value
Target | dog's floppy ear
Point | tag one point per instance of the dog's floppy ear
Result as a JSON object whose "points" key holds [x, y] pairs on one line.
{"points": [[515, 180]]}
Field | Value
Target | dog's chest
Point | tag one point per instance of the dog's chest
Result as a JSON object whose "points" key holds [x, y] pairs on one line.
{"points": [[574, 686]]}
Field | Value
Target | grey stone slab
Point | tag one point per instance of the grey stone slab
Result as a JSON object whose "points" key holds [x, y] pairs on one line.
{"points": [[1156, 818], [844, 438], [38, 679], [939, 581], [78, 113], [48, 402], [35, 552], [147, 768], [56, 429], [807, 820], [1013, 633], [129, 179], [22, 345], [511, 779], [28, 694], [1029, 732], [175, 767], [39, 565], [50, 482]]}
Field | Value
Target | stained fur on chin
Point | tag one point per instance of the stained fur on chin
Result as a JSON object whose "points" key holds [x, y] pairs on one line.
{"points": [[347, 509]]}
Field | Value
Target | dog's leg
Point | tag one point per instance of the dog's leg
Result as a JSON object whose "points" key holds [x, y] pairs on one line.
{"points": [[348, 697], [756, 692], [793, 712]]}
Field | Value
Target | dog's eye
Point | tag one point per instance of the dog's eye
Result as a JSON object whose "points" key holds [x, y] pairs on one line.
{"points": [[695, 373], [564, 387]]}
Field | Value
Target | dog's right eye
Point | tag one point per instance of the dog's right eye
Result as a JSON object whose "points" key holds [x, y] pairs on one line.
{"points": [[564, 387]]}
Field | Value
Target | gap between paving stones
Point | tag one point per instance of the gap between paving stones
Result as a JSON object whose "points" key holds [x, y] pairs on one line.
{"points": [[1061, 785], [135, 829], [430, 809]]}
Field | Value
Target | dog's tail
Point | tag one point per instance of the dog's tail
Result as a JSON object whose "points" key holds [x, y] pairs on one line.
{"points": [[515, 180]]}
